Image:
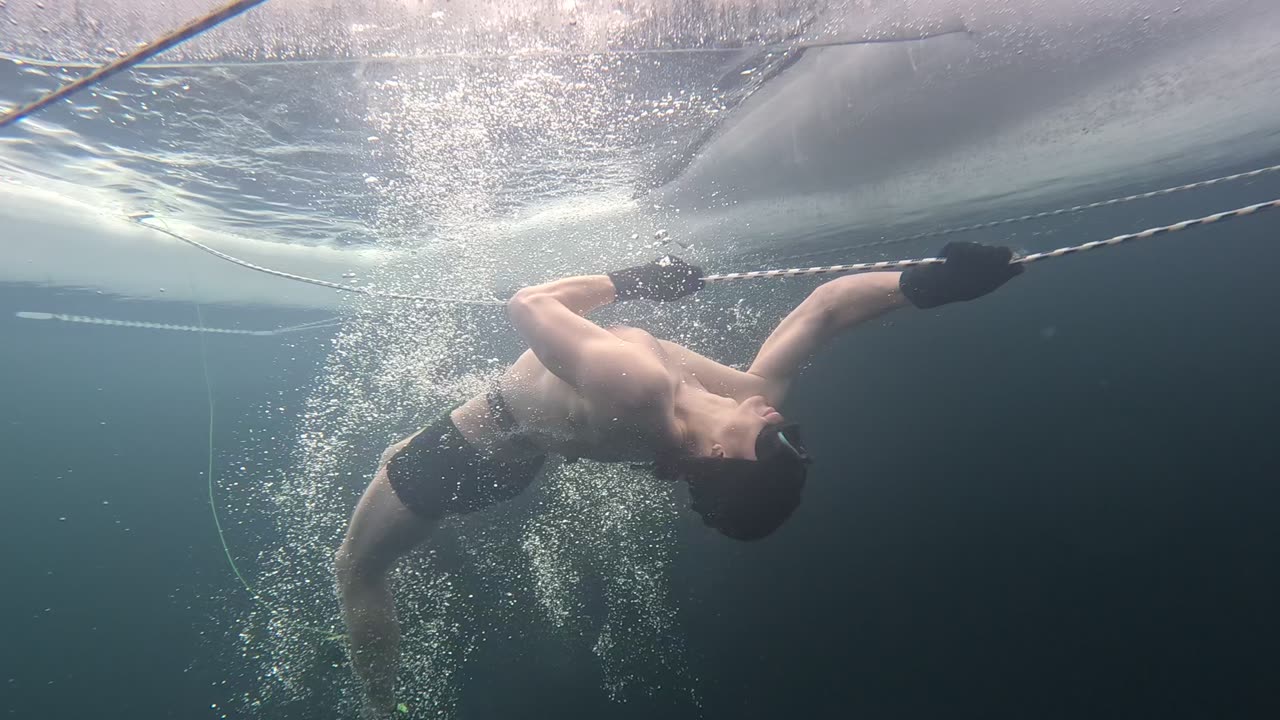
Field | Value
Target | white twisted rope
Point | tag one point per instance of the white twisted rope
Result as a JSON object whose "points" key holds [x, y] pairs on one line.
{"points": [[1040, 215], [92, 320], [310, 280], [89, 320], [1035, 257], [754, 274]]}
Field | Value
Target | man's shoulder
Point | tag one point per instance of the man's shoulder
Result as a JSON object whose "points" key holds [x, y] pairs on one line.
{"points": [[634, 367], [633, 335]]}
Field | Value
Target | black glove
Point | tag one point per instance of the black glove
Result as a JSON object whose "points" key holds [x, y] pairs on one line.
{"points": [[667, 278], [971, 270]]}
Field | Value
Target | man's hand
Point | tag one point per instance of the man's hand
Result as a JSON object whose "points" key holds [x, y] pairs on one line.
{"points": [[971, 270], [667, 278]]}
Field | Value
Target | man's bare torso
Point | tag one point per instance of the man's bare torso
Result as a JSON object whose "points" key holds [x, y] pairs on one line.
{"points": [[560, 419]]}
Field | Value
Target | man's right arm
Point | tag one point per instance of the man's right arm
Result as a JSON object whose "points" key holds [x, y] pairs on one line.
{"points": [[550, 319]]}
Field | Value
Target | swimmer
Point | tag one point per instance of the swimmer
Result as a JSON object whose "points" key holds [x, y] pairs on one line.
{"points": [[618, 395]]}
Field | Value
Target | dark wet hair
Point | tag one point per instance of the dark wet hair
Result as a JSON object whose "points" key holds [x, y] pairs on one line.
{"points": [[747, 499]]}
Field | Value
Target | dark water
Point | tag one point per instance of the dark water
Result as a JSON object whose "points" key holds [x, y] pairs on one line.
{"points": [[112, 564], [1058, 502]]}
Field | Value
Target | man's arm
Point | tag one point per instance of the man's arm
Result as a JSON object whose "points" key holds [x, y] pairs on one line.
{"points": [[829, 310], [550, 319], [971, 270]]}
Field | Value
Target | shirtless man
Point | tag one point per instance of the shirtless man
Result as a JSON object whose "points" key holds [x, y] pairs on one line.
{"points": [[614, 395]]}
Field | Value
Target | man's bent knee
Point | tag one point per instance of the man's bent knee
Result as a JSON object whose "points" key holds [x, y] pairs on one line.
{"points": [[354, 569], [392, 449], [346, 567], [381, 531]]}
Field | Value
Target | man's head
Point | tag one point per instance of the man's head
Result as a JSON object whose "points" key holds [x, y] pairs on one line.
{"points": [[749, 477], [731, 432]]}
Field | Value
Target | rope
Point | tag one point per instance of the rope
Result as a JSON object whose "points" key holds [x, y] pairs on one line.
{"points": [[286, 614], [213, 505], [480, 55], [91, 320], [310, 280], [186, 32], [787, 272], [1027, 259], [135, 323], [1041, 215]]}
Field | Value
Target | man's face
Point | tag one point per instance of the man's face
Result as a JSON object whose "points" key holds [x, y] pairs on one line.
{"points": [[738, 438]]}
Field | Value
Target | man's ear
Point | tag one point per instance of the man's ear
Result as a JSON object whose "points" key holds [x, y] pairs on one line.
{"points": [[717, 451]]}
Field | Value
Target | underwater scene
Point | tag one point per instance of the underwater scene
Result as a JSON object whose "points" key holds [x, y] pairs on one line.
{"points": [[640, 359]]}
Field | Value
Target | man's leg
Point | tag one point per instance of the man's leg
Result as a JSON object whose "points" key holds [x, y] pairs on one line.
{"points": [[381, 530]]}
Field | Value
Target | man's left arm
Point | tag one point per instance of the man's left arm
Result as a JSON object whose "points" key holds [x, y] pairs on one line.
{"points": [[970, 271], [829, 310]]}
